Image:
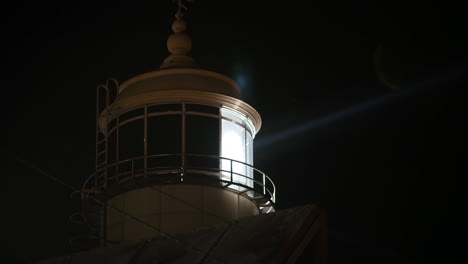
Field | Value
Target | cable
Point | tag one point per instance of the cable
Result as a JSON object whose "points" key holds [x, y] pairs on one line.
{"points": [[43, 173], [72, 188], [215, 244]]}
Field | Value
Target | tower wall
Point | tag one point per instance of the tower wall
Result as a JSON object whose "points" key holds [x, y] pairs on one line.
{"points": [[173, 209]]}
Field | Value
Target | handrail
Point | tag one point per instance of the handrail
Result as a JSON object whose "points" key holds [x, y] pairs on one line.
{"points": [[265, 186]]}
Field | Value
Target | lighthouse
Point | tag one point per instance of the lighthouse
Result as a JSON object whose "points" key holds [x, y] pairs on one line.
{"points": [[174, 151]]}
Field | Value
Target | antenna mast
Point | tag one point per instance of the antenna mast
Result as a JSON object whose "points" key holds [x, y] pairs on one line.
{"points": [[181, 5]]}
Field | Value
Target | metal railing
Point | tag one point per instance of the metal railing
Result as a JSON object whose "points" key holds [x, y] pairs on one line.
{"points": [[184, 168]]}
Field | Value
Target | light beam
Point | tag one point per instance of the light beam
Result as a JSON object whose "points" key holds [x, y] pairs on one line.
{"points": [[357, 109]]}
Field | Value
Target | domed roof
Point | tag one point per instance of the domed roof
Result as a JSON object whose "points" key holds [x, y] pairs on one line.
{"points": [[179, 79]]}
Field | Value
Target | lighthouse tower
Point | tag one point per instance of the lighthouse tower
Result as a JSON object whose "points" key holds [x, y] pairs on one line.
{"points": [[174, 152]]}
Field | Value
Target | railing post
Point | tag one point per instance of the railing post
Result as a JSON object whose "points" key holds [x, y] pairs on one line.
{"points": [[231, 171], [183, 161], [116, 169], [264, 184], [145, 143], [96, 180], [105, 176]]}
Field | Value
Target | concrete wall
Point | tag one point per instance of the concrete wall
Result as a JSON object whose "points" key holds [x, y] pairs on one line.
{"points": [[173, 209]]}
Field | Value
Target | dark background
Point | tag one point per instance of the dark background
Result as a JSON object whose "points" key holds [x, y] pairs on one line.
{"points": [[385, 160]]}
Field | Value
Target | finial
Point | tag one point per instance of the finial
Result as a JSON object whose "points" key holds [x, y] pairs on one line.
{"points": [[179, 43]]}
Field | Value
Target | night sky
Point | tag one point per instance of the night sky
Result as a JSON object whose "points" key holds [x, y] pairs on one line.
{"points": [[361, 103]]}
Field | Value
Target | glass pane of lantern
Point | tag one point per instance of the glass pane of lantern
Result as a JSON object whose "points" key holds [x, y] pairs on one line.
{"points": [[202, 138], [164, 136], [241, 150], [131, 144], [249, 157], [233, 148]]}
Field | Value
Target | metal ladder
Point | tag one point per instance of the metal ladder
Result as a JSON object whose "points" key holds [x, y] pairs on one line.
{"points": [[93, 212], [101, 134]]}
